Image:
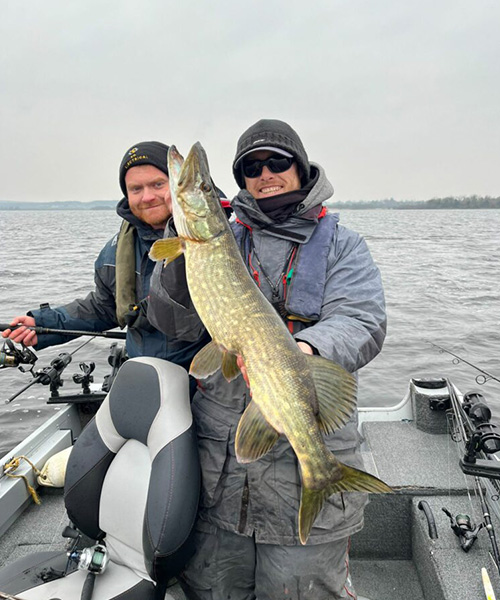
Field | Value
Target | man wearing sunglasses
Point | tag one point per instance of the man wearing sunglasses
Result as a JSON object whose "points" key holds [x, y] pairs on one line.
{"points": [[323, 282]]}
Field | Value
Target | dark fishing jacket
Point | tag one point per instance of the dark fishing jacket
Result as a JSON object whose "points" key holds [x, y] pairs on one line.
{"points": [[331, 296], [98, 311]]}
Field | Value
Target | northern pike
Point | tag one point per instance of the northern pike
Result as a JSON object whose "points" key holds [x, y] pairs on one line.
{"points": [[293, 394]]}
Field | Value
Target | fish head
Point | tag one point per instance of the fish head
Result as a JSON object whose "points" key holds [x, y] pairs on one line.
{"points": [[196, 207]]}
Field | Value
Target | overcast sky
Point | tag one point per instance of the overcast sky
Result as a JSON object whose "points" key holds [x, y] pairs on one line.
{"points": [[395, 99]]}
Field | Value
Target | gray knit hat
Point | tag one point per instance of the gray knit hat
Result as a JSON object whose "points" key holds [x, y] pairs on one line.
{"points": [[271, 134], [143, 153]]}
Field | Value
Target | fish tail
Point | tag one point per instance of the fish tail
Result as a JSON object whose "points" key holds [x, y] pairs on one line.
{"points": [[351, 480]]}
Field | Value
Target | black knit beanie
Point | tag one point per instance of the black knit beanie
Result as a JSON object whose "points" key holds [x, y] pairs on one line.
{"points": [[143, 153], [270, 134]]}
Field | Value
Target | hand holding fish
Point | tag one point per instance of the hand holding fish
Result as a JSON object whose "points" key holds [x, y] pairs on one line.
{"points": [[304, 346], [241, 366]]}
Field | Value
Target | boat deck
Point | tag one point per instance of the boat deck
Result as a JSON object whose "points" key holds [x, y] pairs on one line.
{"points": [[393, 556], [397, 531], [41, 526]]}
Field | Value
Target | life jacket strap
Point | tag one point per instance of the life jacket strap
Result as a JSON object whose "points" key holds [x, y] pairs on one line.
{"points": [[125, 297]]}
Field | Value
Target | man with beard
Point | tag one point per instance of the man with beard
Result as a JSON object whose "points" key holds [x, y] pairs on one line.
{"points": [[122, 270]]}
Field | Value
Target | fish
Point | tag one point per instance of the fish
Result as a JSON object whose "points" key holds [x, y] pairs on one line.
{"points": [[293, 394]]}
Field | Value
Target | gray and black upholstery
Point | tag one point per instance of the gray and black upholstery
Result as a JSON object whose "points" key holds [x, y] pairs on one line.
{"points": [[132, 481]]}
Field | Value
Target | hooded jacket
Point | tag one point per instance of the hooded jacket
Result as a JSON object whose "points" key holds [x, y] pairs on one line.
{"points": [[97, 312], [262, 498]]}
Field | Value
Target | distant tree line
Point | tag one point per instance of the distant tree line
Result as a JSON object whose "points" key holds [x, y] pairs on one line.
{"points": [[460, 202], [435, 203], [59, 205]]}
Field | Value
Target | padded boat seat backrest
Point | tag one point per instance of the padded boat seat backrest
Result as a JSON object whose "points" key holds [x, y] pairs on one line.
{"points": [[133, 475]]}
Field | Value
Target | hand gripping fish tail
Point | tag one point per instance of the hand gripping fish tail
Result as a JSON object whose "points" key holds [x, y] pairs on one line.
{"points": [[293, 394]]}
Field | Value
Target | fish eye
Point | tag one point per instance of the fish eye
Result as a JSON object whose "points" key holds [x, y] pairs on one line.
{"points": [[205, 187]]}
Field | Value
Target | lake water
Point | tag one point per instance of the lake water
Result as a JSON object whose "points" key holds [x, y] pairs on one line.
{"points": [[440, 271]]}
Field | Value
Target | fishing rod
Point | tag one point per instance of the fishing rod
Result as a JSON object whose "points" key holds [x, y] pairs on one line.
{"points": [[117, 335], [470, 424], [480, 379]]}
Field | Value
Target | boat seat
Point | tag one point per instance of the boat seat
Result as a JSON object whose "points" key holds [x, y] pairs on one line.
{"points": [[132, 484]]}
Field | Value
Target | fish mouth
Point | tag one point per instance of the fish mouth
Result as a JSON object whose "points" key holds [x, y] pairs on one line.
{"points": [[174, 159], [195, 168], [196, 209]]}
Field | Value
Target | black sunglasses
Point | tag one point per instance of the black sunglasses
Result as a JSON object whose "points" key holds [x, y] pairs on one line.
{"points": [[276, 164]]}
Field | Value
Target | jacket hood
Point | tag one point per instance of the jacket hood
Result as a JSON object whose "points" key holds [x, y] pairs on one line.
{"points": [[248, 211]]}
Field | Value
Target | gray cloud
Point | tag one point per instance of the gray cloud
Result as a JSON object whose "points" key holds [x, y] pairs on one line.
{"points": [[394, 99]]}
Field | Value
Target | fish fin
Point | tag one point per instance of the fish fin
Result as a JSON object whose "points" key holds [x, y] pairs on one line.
{"points": [[230, 368], [311, 503], [254, 436], [351, 480], [355, 480], [168, 249], [207, 361], [335, 393]]}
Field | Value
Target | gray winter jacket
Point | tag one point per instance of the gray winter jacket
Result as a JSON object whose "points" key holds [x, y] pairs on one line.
{"points": [[262, 498]]}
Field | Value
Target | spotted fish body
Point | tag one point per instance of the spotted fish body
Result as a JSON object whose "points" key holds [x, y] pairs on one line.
{"points": [[293, 394]]}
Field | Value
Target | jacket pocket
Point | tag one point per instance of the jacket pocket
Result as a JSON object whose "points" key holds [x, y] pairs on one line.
{"points": [[213, 437]]}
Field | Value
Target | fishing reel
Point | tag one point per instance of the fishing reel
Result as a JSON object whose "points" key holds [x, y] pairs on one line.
{"points": [[94, 559], [11, 356], [464, 529]]}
